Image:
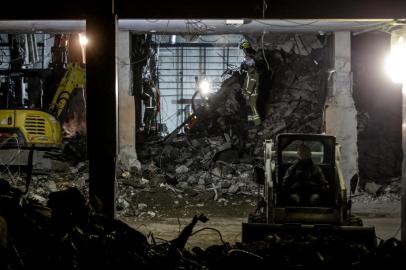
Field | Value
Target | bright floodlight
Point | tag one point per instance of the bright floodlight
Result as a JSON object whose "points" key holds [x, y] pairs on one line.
{"points": [[204, 87], [83, 40], [395, 63], [173, 39]]}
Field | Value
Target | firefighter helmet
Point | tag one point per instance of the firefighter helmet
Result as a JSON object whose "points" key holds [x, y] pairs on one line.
{"points": [[245, 44]]}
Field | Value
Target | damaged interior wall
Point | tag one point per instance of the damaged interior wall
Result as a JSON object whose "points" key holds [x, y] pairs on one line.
{"points": [[378, 102], [293, 100]]}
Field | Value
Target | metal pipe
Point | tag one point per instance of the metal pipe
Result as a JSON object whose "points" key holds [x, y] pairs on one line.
{"points": [[35, 48], [43, 50], [26, 50]]}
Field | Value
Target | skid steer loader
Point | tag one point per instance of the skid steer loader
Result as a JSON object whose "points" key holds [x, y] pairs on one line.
{"points": [[332, 217]]}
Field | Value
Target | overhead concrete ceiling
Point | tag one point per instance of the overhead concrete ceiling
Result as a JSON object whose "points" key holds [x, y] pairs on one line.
{"points": [[43, 26], [193, 26], [199, 26]]}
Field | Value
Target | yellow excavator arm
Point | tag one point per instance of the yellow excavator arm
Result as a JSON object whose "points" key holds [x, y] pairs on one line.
{"points": [[75, 77], [20, 128]]}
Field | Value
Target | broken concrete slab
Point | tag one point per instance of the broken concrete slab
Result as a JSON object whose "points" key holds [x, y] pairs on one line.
{"points": [[182, 169], [372, 188], [233, 189]]}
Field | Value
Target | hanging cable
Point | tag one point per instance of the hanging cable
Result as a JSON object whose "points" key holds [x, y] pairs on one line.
{"points": [[263, 50], [212, 229]]}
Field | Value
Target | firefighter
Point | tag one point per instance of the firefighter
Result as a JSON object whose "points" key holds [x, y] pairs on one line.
{"points": [[151, 102], [251, 80]]}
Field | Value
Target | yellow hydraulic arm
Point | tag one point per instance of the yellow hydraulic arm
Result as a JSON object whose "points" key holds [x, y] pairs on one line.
{"points": [[75, 77]]}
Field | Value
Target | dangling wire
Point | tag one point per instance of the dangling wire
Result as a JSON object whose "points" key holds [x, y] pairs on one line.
{"points": [[264, 8]]}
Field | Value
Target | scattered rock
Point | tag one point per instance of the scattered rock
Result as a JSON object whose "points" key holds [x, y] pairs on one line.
{"points": [[183, 185], [52, 186], [233, 188], [182, 169], [201, 182], [142, 206], [144, 181], [126, 174], [372, 188], [38, 198]]}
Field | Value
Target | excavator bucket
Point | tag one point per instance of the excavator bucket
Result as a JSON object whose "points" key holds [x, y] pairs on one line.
{"points": [[351, 234]]}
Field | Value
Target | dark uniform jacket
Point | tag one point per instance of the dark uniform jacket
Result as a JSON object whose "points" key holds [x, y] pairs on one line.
{"points": [[304, 176]]}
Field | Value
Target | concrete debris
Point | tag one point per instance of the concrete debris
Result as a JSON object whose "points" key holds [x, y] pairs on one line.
{"points": [[169, 187], [69, 235], [74, 170], [144, 181], [38, 198], [183, 185], [52, 186], [142, 206], [59, 166], [201, 182], [126, 174], [372, 188], [192, 180], [233, 188], [182, 169]]}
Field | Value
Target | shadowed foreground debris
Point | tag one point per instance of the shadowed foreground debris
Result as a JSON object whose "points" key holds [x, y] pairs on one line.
{"points": [[67, 234]]}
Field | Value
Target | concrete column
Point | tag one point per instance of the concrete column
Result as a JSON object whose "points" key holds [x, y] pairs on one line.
{"points": [[126, 104], [341, 115]]}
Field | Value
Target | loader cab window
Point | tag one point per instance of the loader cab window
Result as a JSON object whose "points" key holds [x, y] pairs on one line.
{"points": [[322, 155], [289, 153]]}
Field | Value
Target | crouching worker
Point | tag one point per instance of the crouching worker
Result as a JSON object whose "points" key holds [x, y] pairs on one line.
{"points": [[304, 183]]}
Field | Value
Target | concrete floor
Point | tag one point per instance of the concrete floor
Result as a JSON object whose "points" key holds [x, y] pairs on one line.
{"points": [[230, 228], [384, 215]]}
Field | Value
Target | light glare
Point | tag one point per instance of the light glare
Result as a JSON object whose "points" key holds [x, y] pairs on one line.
{"points": [[83, 40], [395, 63], [204, 87]]}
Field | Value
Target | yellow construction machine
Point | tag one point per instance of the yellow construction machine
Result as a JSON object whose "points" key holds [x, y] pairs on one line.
{"points": [[28, 128], [330, 218]]}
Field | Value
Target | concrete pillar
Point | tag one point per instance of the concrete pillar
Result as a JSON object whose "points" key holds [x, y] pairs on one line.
{"points": [[126, 104], [341, 115]]}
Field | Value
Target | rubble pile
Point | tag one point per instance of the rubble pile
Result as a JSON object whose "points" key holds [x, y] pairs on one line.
{"points": [[68, 234], [148, 193], [375, 192], [219, 148], [214, 162]]}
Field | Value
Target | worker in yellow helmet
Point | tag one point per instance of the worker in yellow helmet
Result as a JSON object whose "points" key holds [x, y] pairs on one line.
{"points": [[251, 80]]}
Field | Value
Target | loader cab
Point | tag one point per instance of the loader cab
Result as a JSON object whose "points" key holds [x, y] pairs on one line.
{"points": [[322, 149], [332, 208], [330, 219]]}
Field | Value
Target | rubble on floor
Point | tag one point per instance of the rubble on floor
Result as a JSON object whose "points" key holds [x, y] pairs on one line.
{"points": [[147, 193], [220, 149], [67, 234], [379, 193]]}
